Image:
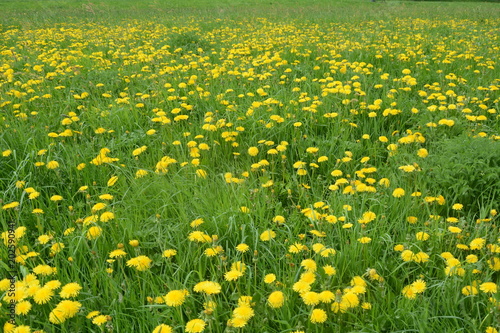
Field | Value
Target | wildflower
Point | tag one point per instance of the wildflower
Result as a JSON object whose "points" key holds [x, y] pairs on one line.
{"points": [[169, 253], [44, 270], [56, 198], [311, 298], [398, 193], [488, 287], [10, 205], [422, 236], [253, 151], [309, 265], [140, 263], [364, 240], [52, 165], [422, 153], [112, 181], [233, 275], [301, 287], [176, 297], [107, 216], [70, 290], [267, 235], [43, 295], [117, 253], [94, 232], [279, 219], [477, 243], [201, 173], [23, 307], [134, 243], [276, 299], [329, 270], [419, 286], [162, 328], [68, 308], [99, 320], [269, 278], [195, 326], [469, 290], [207, 287], [98, 206], [242, 248], [318, 316], [243, 312], [409, 292], [199, 236]]}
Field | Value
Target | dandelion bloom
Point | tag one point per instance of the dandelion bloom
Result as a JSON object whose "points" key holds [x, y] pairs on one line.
{"points": [[311, 298], [112, 181], [176, 297], [207, 287], [52, 165], [141, 263], [70, 290], [43, 295], [23, 307], [242, 248], [94, 232], [269, 278], [409, 292], [10, 205], [195, 326], [489, 287], [162, 328], [233, 275], [169, 253], [99, 320], [243, 312], [469, 290], [419, 286], [267, 235], [276, 299], [398, 193], [253, 151], [117, 253]]}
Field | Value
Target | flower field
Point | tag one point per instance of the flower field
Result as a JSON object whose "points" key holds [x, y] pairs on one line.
{"points": [[250, 174]]}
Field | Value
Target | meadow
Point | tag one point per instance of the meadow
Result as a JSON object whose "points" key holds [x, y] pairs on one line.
{"points": [[249, 166]]}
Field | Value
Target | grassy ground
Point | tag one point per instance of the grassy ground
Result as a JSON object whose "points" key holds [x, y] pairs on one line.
{"points": [[322, 166]]}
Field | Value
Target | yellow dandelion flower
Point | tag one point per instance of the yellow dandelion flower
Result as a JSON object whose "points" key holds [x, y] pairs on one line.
{"points": [[310, 298], [269, 278], [140, 263], [162, 328], [70, 290], [267, 235], [100, 320], [276, 299], [43, 295], [242, 248], [195, 326], [318, 316], [233, 275], [169, 253], [488, 287], [176, 297], [23, 307]]}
